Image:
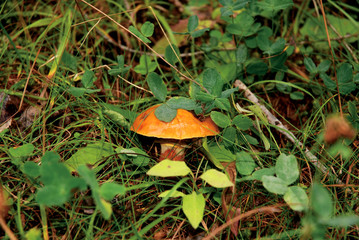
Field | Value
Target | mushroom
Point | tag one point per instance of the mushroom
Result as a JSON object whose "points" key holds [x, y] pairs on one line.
{"points": [[172, 134]]}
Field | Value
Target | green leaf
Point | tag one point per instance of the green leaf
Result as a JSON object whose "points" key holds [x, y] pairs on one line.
{"points": [[242, 122], [88, 78], [18, 154], [157, 86], [220, 153], [169, 168], [241, 54], [135, 156], [193, 207], [228, 92], [296, 198], [90, 155], [216, 178], [287, 168], [274, 185], [297, 95], [31, 169], [120, 68], [244, 163], [324, 66], [117, 118], [58, 181], [220, 119], [174, 194], [243, 25], [78, 92], [182, 103], [229, 6], [212, 81], [90, 178], [345, 73], [258, 68], [222, 103], [146, 65], [257, 175], [192, 23], [276, 47], [147, 29], [109, 190], [321, 201], [328, 82], [342, 221], [165, 113], [211, 156], [199, 33], [170, 55], [139, 34], [33, 234], [310, 65], [204, 97], [274, 5]]}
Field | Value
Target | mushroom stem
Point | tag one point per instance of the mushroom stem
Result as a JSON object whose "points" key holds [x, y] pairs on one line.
{"points": [[172, 151]]}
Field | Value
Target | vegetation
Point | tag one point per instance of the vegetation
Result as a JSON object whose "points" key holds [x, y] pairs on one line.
{"points": [[278, 77]]}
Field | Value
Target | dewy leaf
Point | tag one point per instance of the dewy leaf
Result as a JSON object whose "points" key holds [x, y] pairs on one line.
{"points": [[109, 190], [192, 23], [89, 155], [147, 29], [165, 113], [193, 207], [287, 168], [174, 194], [220, 119], [169, 168], [157, 86], [274, 184], [139, 34], [216, 178], [146, 65], [244, 163], [321, 201], [212, 81], [296, 198]]}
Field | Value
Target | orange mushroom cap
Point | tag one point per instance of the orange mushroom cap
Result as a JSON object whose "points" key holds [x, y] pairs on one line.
{"points": [[184, 126]]}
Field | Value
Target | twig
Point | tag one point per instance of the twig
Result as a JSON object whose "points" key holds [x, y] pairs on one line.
{"points": [[268, 209]]}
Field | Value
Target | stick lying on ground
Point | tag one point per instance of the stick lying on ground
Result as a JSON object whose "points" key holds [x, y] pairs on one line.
{"points": [[281, 128]]}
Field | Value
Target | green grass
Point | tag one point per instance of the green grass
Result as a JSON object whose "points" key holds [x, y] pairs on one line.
{"points": [[45, 51]]}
